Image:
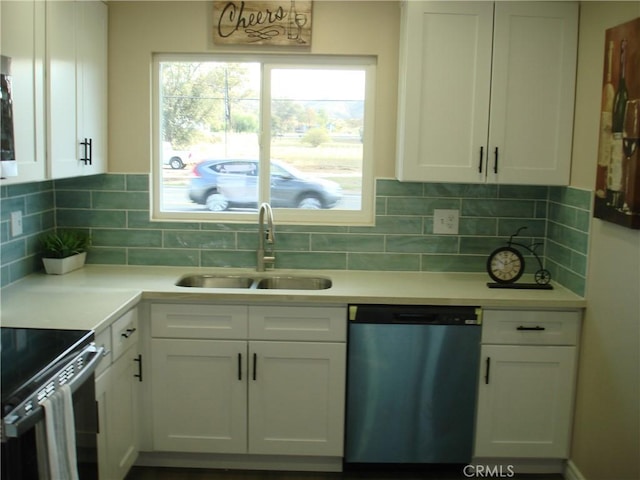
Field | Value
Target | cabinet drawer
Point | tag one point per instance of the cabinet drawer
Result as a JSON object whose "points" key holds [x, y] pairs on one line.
{"points": [[124, 333], [298, 323], [199, 321], [103, 339], [518, 327]]}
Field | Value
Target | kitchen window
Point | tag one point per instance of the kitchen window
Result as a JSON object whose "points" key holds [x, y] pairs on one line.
{"points": [[233, 132]]}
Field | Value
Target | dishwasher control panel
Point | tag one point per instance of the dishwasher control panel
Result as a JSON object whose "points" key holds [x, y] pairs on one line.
{"points": [[415, 314]]}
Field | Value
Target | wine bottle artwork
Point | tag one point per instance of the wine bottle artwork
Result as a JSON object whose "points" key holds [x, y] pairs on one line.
{"points": [[615, 192], [606, 114], [296, 23], [292, 29], [616, 196], [630, 138]]}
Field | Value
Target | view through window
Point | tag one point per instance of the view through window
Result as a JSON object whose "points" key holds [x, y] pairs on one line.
{"points": [[231, 135]]}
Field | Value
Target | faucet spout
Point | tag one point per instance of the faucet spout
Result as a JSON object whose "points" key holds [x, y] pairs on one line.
{"points": [[268, 235]]}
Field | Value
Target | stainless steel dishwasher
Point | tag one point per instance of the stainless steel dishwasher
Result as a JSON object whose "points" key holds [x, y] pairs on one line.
{"points": [[412, 376]]}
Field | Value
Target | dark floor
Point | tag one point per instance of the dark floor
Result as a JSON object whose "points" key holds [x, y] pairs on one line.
{"points": [[157, 473]]}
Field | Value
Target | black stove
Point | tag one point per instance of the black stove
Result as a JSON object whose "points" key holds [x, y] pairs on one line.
{"points": [[36, 363], [29, 356]]}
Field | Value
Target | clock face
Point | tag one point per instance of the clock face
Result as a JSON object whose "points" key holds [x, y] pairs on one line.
{"points": [[505, 265]]}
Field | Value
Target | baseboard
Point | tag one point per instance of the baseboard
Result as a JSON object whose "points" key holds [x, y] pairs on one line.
{"points": [[240, 461], [571, 472]]}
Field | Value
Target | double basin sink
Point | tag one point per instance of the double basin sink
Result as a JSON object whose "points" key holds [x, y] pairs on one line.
{"points": [[284, 282]]}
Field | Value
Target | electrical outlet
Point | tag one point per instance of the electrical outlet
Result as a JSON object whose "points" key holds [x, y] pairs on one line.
{"points": [[16, 223], [446, 221]]}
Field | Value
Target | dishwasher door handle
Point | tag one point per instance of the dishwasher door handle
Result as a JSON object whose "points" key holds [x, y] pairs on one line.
{"points": [[414, 318]]}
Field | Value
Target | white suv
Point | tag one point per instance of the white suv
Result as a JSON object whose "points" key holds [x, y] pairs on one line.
{"points": [[176, 159]]}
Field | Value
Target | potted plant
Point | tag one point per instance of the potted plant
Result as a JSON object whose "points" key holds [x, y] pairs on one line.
{"points": [[64, 250]]}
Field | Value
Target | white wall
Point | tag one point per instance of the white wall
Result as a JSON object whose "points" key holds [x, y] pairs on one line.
{"points": [[606, 440], [139, 29]]}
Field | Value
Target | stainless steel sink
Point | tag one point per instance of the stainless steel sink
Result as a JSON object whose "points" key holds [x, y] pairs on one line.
{"points": [[214, 281], [294, 283], [282, 282]]}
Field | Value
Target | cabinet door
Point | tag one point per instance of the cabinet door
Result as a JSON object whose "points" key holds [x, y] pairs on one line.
{"points": [[117, 397], [76, 41], [122, 414], [296, 398], [61, 89], [102, 389], [444, 85], [92, 82], [525, 401], [199, 395], [533, 90], [24, 42]]}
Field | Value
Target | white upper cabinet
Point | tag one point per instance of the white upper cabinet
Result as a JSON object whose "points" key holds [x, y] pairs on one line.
{"points": [[23, 42], [486, 92], [77, 87]]}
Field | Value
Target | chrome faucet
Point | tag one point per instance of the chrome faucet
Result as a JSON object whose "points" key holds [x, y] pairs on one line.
{"points": [[268, 235]]}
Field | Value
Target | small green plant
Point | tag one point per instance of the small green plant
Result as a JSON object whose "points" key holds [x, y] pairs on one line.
{"points": [[316, 137], [64, 243]]}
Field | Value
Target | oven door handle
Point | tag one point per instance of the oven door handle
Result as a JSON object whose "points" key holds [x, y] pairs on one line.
{"points": [[14, 426]]}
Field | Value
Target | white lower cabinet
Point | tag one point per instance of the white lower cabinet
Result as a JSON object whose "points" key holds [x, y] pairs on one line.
{"points": [[249, 396], [199, 395], [527, 384], [296, 398], [117, 397]]}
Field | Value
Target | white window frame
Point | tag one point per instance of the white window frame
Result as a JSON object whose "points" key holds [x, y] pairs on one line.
{"points": [[364, 216]]}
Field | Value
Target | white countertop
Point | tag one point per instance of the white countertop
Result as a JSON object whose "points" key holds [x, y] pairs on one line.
{"points": [[94, 296]]}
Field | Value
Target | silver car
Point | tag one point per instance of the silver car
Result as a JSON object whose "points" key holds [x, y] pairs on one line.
{"points": [[233, 183]]}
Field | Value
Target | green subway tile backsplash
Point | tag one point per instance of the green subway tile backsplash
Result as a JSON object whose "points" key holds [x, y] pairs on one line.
{"points": [[164, 256], [568, 224], [310, 260], [228, 258], [115, 208], [422, 243], [384, 261], [454, 263], [514, 208], [77, 218]]}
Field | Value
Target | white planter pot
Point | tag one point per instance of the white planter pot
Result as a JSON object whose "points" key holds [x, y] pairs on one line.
{"points": [[60, 266]]}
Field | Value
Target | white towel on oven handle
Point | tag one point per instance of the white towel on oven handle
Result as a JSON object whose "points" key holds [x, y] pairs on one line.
{"points": [[61, 435]]}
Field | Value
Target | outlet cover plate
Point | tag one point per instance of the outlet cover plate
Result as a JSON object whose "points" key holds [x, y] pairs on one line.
{"points": [[446, 222], [16, 223]]}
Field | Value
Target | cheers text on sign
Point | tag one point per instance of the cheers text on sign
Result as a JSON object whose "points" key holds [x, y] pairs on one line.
{"points": [[262, 23]]}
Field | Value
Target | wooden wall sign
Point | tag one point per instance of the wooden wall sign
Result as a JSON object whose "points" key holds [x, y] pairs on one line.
{"points": [[250, 22]]}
